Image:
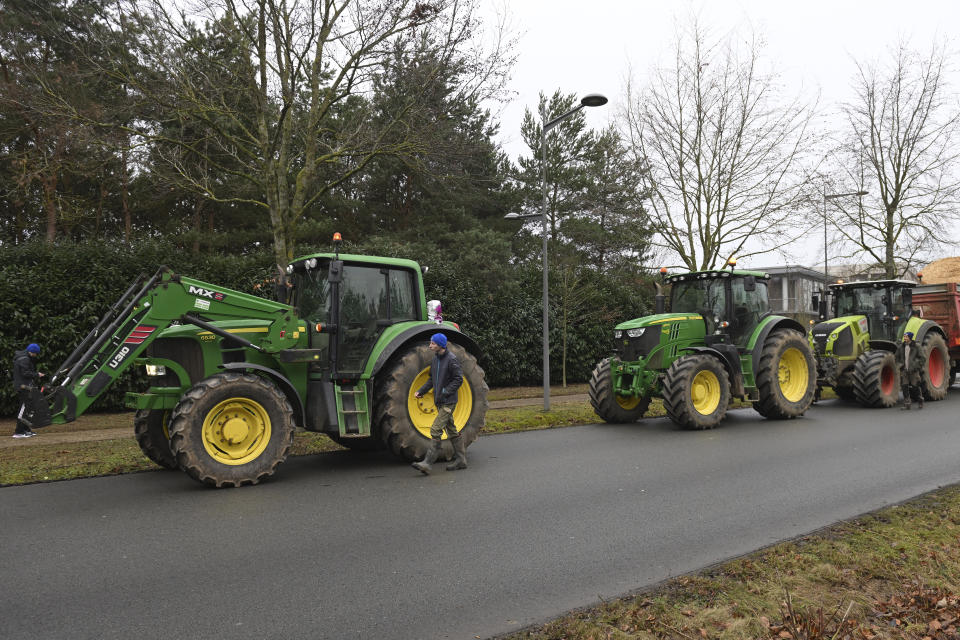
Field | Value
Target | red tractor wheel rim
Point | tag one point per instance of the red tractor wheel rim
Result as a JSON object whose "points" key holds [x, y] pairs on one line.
{"points": [[886, 380], [935, 367]]}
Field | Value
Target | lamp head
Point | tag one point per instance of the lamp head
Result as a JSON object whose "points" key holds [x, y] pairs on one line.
{"points": [[593, 100]]}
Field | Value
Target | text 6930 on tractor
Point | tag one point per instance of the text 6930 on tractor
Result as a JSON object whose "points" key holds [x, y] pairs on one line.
{"points": [[856, 347], [232, 375], [718, 342]]}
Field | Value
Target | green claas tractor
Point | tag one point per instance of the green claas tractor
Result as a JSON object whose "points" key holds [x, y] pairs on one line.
{"points": [[719, 341], [232, 375], [855, 349]]}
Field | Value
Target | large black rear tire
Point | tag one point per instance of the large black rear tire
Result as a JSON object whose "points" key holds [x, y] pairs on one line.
{"points": [[608, 405], [403, 420], [150, 430], [876, 379], [696, 391], [232, 429], [786, 375], [935, 379]]}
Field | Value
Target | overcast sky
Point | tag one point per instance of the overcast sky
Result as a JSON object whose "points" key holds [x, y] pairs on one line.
{"points": [[589, 46]]}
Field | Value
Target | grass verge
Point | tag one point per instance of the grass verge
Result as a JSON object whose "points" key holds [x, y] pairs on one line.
{"points": [[891, 574]]}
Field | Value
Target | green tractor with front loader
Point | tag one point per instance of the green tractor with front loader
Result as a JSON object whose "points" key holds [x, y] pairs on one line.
{"points": [[232, 375], [718, 342], [855, 349]]}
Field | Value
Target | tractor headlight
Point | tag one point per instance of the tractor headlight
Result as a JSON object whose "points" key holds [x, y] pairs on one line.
{"points": [[156, 370], [618, 334], [635, 333], [311, 263]]}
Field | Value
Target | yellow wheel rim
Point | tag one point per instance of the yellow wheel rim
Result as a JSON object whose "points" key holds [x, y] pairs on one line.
{"points": [[628, 402], [793, 375], [423, 412], [236, 431], [705, 392]]}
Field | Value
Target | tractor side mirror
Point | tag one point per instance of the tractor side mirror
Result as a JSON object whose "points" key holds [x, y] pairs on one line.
{"points": [[335, 272], [908, 298], [750, 283]]}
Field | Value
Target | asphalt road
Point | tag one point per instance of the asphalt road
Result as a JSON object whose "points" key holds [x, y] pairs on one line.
{"points": [[347, 546]]}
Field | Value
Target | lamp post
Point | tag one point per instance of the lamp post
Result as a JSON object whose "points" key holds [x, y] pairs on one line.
{"points": [[831, 196], [590, 100]]}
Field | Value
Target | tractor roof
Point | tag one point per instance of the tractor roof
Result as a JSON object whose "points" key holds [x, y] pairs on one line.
{"points": [[873, 284], [715, 273], [378, 260]]}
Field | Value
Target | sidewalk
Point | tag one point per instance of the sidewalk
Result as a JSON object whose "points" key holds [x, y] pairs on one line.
{"points": [[92, 435]]}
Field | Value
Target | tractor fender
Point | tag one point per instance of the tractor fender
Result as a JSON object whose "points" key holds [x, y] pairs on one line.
{"points": [[775, 322], [927, 327], [423, 332], [730, 362], [285, 385]]}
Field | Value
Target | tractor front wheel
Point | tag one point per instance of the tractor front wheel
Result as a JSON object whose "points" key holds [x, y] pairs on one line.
{"points": [[153, 436], [608, 405], [232, 429], [696, 391], [936, 374], [876, 379], [403, 420], [786, 375]]}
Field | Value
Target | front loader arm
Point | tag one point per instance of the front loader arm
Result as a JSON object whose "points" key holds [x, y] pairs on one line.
{"points": [[140, 315]]}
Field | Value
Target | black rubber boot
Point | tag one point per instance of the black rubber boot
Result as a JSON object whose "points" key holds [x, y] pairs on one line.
{"points": [[906, 405], [920, 403], [460, 451], [424, 466]]}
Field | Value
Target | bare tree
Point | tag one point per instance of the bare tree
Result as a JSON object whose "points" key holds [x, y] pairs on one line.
{"points": [[903, 124], [722, 151]]}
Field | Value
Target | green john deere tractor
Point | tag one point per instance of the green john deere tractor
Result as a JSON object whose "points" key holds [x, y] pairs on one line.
{"points": [[232, 375], [719, 342], [855, 349]]}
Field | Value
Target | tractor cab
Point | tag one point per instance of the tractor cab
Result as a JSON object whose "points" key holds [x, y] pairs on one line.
{"points": [[348, 301], [731, 303], [886, 305]]}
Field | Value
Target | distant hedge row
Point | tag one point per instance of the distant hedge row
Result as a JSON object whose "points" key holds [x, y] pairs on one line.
{"points": [[54, 295]]}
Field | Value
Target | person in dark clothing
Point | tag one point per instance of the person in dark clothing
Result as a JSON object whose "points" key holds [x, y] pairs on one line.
{"points": [[445, 379], [910, 361], [25, 380]]}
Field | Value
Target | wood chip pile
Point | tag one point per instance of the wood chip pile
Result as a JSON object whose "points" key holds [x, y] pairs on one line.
{"points": [[940, 271]]}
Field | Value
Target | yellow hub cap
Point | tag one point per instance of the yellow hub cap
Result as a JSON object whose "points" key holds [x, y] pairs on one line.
{"points": [[236, 431], [423, 412], [705, 392], [793, 375], [628, 402]]}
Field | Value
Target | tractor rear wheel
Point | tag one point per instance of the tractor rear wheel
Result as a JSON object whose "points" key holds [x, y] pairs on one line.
{"points": [[232, 429], [608, 405], [935, 379], [696, 391], [153, 436], [786, 375], [403, 420], [876, 379]]}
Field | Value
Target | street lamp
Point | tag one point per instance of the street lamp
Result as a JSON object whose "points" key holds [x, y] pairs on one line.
{"points": [[831, 196], [590, 100]]}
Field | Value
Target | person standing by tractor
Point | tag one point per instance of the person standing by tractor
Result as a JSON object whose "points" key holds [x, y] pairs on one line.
{"points": [[445, 379], [911, 364], [25, 378]]}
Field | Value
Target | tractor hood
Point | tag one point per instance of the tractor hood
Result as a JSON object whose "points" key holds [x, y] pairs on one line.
{"points": [[837, 336], [658, 319]]}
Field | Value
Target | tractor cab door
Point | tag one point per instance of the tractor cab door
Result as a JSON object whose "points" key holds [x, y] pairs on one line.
{"points": [[749, 303]]}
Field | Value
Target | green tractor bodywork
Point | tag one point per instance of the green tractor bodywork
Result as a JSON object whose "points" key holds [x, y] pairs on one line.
{"points": [[719, 342], [855, 349], [232, 375]]}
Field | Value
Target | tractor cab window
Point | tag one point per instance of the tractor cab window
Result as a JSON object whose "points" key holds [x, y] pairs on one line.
{"points": [[865, 301], [748, 308], [312, 295], [897, 305], [706, 297]]}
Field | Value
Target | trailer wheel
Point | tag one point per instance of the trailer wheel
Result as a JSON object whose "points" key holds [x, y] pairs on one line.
{"points": [[696, 391], [936, 374], [608, 405], [232, 429], [153, 436], [786, 375], [876, 379], [404, 420]]}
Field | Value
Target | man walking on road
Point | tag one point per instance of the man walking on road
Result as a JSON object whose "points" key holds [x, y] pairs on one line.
{"points": [[445, 379], [911, 364], [25, 380]]}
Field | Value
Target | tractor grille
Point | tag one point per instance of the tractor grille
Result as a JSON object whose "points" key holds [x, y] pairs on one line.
{"points": [[184, 351], [634, 349], [821, 333]]}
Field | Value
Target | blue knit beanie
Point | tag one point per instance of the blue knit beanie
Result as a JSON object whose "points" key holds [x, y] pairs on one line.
{"points": [[439, 339], [908, 333], [33, 347]]}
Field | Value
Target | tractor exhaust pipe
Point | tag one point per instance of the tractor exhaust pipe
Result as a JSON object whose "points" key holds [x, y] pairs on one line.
{"points": [[659, 300]]}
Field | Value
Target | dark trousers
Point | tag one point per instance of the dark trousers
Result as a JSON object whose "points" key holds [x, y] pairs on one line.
{"points": [[26, 411]]}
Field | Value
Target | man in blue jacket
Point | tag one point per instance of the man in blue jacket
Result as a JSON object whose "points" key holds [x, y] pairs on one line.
{"points": [[25, 380], [445, 379]]}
